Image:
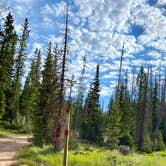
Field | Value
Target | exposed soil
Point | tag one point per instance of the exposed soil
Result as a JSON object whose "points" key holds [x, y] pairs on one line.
{"points": [[9, 147]]}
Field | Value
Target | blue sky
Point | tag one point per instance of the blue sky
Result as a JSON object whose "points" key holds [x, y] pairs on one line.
{"points": [[97, 30]]}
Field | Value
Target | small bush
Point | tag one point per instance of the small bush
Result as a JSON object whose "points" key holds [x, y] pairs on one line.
{"points": [[126, 140], [159, 143], [73, 141], [147, 145]]}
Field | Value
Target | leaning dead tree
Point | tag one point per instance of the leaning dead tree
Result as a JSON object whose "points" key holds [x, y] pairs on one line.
{"points": [[59, 125]]}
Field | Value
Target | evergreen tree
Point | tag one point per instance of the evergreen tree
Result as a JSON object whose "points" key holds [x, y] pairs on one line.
{"points": [[113, 127], [25, 104], [7, 52], [125, 114], [29, 106], [163, 113], [93, 125], [142, 132], [35, 110], [158, 143], [79, 103], [19, 65], [49, 94]]}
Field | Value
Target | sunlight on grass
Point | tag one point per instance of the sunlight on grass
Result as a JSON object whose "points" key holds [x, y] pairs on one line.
{"points": [[93, 156], [6, 133]]}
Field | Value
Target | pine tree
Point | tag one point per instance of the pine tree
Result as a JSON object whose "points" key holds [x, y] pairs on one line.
{"points": [[163, 107], [93, 125], [110, 106], [113, 127], [155, 106], [29, 106], [142, 132], [125, 111], [7, 52], [19, 67], [25, 103], [49, 94], [80, 95], [35, 109], [158, 143]]}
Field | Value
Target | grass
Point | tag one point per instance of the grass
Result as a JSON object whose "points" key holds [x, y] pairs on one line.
{"points": [[4, 133], [8, 130], [85, 156]]}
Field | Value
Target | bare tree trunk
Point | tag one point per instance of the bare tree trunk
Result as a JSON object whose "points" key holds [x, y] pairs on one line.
{"points": [[120, 71], [59, 126], [133, 82]]}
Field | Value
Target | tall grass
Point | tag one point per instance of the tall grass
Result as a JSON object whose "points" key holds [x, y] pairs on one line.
{"points": [[83, 156]]}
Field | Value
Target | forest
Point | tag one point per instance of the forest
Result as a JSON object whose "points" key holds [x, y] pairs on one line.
{"points": [[135, 117]]}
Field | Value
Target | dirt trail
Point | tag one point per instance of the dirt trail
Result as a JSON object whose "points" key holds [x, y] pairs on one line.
{"points": [[9, 147]]}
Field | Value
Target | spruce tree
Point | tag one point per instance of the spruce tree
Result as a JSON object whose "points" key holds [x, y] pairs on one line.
{"points": [[25, 103], [7, 52], [19, 69], [94, 127], [113, 127], [142, 132], [78, 116], [125, 112], [48, 94], [157, 139], [35, 110], [30, 98]]}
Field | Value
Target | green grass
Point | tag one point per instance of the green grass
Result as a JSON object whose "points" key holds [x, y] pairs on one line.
{"points": [[85, 156], [4, 134], [8, 130]]}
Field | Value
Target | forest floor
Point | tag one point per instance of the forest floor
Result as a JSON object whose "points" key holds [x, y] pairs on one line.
{"points": [[9, 146]]}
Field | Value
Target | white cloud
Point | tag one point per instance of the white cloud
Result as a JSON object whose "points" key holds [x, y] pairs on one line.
{"points": [[97, 29], [56, 9]]}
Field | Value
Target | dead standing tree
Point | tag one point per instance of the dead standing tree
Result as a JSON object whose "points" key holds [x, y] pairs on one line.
{"points": [[80, 95], [119, 73], [59, 125]]}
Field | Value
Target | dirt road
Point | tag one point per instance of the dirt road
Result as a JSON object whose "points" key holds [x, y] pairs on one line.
{"points": [[9, 147]]}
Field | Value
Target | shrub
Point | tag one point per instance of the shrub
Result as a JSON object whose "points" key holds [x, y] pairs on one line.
{"points": [[126, 140], [73, 141], [147, 145], [159, 143]]}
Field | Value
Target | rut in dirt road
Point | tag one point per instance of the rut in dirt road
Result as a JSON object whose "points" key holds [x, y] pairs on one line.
{"points": [[9, 147]]}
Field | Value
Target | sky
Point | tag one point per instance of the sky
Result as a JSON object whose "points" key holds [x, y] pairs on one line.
{"points": [[97, 30]]}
